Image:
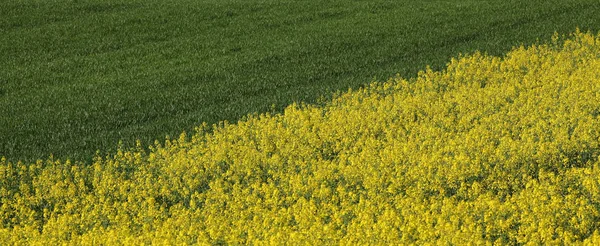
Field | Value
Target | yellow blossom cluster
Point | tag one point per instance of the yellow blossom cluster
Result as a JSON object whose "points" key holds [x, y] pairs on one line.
{"points": [[492, 150]]}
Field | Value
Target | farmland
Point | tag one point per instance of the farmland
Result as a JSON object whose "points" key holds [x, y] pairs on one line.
{"points": [[489, 150], [78, 76]]}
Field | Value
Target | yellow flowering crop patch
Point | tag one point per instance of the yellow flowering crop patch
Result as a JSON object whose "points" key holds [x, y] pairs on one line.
{"points": [[490, 151]]}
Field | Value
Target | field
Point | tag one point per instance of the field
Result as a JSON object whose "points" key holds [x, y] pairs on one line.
{"points": [[78, 76], [488, 151]]}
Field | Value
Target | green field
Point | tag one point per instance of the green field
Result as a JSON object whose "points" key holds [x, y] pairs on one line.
{"points": [[78, 76]]}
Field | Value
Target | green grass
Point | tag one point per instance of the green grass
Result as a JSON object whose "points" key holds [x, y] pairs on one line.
{"points": [[78, 76]]}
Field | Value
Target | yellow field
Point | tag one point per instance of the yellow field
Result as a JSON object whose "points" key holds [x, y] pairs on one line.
{"points": [[490, 151]]}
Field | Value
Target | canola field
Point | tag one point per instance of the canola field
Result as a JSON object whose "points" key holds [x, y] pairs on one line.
{"points": [[491, 150]]}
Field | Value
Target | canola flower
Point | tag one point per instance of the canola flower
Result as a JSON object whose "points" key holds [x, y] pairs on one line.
{"points": [[490, 151]]}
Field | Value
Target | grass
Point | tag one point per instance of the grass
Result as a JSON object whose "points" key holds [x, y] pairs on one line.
{"points": [[81, 75]]}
